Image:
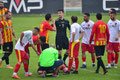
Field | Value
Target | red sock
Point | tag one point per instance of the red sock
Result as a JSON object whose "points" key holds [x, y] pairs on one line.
{"points": [[93, 60], [116, 58], [63, 67], [76, 64], [70, 64], [112, 57], [109, 58], [84, 59], [25, 67], [17, 67]]}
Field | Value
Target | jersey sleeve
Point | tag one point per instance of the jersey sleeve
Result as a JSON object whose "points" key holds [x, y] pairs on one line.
{"points": [[49, 27], [81, 29], [68, 25], [31, 41], [73, 29], [92, 33], [119, 25]]}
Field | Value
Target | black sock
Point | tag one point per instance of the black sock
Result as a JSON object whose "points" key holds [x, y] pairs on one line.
{"points": [[3, 58], [98, 64], [102, 64], [59, 56], [65, 56]]}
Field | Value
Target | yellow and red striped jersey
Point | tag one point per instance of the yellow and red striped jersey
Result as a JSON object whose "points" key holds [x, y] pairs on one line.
{"points": [[7, 31], [2, 13]]}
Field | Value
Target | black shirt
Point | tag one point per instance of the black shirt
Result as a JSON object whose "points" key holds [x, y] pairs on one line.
{"points": [[61, 26]]}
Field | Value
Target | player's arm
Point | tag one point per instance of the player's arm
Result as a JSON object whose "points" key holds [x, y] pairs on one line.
{"points": [[54, 26], [117, 38], [38, 48], [107, 33], [21, 37], [92, 33], [68, 25], [33, 46], [13, 33], [82, 33], [1, 29]]}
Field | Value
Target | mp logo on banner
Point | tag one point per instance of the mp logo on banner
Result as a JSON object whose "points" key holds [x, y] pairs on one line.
{"points": [[21, 4]]}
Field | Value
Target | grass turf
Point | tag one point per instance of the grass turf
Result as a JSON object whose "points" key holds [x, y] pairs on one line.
{"points": [[28, 22]]}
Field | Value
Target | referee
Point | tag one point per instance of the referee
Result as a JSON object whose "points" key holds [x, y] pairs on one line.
{"points": [[101, 32], [61, 36]]}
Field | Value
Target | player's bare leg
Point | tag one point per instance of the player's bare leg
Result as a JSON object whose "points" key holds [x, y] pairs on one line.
{"points": [[93, 59], [60, 54], [84, 60]]}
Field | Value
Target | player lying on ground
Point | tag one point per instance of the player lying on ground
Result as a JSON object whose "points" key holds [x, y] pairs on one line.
{"points": [[25, 38]]}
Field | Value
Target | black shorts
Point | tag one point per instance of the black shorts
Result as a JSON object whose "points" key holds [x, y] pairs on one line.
{"points": [[8, 46], [99, 50], [62, 43]]}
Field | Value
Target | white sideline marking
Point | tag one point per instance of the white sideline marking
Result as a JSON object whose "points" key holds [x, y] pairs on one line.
{"points": [[101, 73]]}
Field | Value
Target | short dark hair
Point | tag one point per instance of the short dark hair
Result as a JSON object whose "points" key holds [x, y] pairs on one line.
{"points": [[36, 28], [87, 14], [48, 16], [43, 39], [99, 16], [1, 2], [74, 19], [113, 11], [61, 10]]}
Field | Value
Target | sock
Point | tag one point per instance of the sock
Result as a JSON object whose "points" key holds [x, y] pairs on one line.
{"points": [[116, 58], [102, 64], [25, 67], [109, 58], [0, 60], [65, 56], [63, 67], [59, 57], [98, 64], [17, 67], [84, 60], [93, 60], [112, 57], [70, 64], [76, 64], [7, 60]]}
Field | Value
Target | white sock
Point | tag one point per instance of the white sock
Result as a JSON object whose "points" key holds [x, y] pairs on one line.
{"points": [[7, 65], [109, 64], [14, 73], [0, 60], [26, 73], [93, 63], [84, 63]]}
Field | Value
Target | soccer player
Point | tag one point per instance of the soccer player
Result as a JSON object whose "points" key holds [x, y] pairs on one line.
{"points": [[74, 44], [45, 27], [101, 32], [114, 29], [2, 16], [87, 26], [25, 38], [61, 36], [6, 40]]}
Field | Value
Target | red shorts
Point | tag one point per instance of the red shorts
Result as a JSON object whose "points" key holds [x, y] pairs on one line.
{"points": [[113, 47], [21, 55], [74, 49], [86, 47]]}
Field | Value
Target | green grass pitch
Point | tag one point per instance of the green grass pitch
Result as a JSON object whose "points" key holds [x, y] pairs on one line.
{"points": [[28, 22]]}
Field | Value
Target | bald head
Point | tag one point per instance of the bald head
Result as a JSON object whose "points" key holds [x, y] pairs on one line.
{"points": [[52, 45]]}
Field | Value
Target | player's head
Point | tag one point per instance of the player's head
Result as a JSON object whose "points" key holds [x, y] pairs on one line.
{"points": [[74, 19], [112, 10], [99, 16], [48, 17], [42, 39], [8, 15], [36, 31], [60, 13], [52, 45], [113, 15], [1, 5], [86, 17]]}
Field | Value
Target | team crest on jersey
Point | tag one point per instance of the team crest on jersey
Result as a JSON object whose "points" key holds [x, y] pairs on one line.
{"points": [[88, 25], [115, 23], [8, 48]]}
